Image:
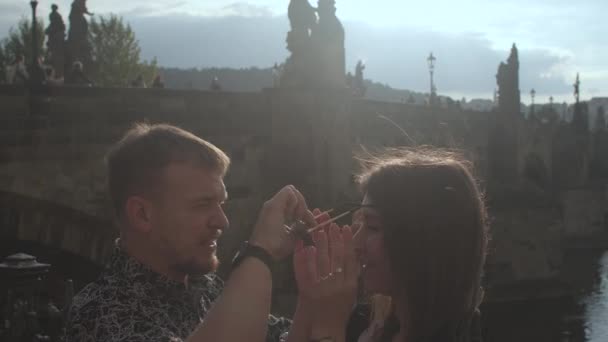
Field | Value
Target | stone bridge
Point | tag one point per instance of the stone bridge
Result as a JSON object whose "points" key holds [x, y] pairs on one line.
{"points": [[52, 144]]}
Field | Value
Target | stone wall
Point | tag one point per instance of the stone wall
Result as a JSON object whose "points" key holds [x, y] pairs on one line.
{"points": [[23, 218]]}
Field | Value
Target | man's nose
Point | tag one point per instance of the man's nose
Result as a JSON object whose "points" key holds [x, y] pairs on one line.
{"points": [[220, 220]]}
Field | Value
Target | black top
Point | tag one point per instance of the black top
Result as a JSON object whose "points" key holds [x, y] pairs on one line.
{"points": [[131, 303]]}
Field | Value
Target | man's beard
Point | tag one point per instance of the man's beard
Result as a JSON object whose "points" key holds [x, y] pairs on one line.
{"points": [[193, 267]]}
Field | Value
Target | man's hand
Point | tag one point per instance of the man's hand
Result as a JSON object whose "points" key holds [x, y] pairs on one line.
{"points": [[271, 231]]}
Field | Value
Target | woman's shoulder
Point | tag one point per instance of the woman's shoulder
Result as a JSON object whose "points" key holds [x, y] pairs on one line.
{"points": [[360, 328]]}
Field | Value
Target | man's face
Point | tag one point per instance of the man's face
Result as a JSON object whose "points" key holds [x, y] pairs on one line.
{"points": [[187, 217]]}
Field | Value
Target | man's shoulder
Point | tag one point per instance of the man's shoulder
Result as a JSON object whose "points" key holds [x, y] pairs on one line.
{"points": [[98, 310], [106, 293]]}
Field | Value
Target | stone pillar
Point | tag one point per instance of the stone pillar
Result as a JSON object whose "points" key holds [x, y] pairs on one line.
{"points": [[310, 143]]}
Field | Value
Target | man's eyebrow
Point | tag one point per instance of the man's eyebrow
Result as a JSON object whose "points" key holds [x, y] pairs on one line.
{"points": [[208, 198], [223, 196]]}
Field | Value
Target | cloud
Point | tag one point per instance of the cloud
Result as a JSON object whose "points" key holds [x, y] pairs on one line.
{"points": [[8, 9], [155, 9], [466, 63], [244, 9], [10, 13]]}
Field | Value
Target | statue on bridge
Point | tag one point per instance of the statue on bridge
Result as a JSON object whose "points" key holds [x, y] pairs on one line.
{"points": [[316, 43], [302, 18], [328, 42], [56, 41], [359, 88], [78, 43]]}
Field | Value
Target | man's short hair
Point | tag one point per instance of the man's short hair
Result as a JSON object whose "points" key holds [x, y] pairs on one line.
{"points": [[134, 164]]}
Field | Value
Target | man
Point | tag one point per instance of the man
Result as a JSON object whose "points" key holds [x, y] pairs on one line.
{"points": [[77, 76], [17, 73], [167, 188]]}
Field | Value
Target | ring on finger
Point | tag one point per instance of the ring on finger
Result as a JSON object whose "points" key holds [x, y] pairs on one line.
{"points": [[327, 276]]}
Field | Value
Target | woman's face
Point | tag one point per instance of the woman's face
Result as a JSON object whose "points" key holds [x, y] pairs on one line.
{"points": [[369, 246]]}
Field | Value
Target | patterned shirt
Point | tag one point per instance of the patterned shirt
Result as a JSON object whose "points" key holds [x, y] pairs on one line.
{"points": [[131, 303]]}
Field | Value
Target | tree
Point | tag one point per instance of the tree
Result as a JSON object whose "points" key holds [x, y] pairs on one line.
{"points": [[116, 53], [19, 42]]}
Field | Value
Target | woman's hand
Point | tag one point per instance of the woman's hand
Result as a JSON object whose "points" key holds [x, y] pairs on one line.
{"points": [[327, 276]]}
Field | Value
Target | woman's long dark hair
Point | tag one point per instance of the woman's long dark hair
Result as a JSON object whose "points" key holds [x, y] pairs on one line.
{"points": [[435, 233]]}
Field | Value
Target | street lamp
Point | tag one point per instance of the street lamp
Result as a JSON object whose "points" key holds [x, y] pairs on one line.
{"points": [[431, 62], [36, 73], [532, 95]]}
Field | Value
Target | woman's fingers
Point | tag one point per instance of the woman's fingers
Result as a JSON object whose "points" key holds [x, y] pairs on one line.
{"points": [[305, 268], [299, 245], [323, 258], [336, 251]]}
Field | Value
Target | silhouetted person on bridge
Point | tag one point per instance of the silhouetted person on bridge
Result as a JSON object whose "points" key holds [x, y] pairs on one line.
{"points": [[215, 84], [77, 76], [158, 82], [139, 82], [17, 72]]}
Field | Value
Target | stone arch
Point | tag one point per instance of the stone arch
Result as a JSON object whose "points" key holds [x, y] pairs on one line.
{"points": [[56, 227], [535, 170]]}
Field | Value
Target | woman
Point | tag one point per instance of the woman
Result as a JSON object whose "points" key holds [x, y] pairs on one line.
{"points": [[422, 242]]}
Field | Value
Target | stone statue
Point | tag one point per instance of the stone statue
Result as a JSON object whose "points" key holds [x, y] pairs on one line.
{"points": [[56, 41], [302, 16], [359, 85], [328, 43], [580, 118], [316, 46], [298, 67], [78, 44]]}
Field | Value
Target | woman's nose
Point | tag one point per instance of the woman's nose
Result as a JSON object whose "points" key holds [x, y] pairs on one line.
{"points": [[358, 235]]}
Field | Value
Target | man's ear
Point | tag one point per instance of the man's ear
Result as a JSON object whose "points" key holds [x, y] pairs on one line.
{"points": [[138, 211]]}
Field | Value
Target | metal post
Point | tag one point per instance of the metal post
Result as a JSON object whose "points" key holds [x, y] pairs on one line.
{"points": [[36, 74]]}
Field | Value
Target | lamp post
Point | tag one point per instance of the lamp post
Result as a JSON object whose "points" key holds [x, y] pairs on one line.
{"points": [[431, 63], [577, 89], [36, 73], [532, 96]]}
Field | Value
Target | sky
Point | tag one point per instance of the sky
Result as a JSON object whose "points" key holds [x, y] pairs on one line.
{"points": [[556, 39]]}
